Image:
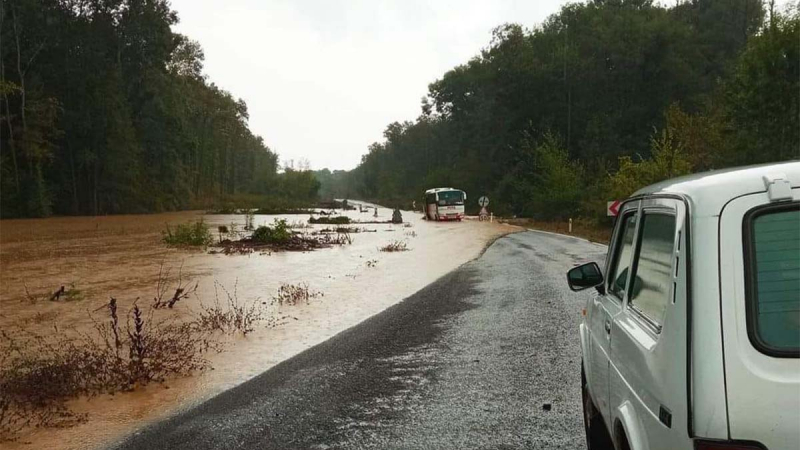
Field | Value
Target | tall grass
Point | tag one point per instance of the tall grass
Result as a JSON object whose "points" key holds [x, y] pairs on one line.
{"points": [[293, 294], [395, 246]]}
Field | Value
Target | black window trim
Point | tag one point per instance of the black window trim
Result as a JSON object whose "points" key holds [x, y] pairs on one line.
{"points": [[614, 262], [664, 211], [750, 272]]}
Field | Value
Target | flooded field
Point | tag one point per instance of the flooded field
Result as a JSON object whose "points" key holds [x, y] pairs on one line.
{"points": [[122, 256]]}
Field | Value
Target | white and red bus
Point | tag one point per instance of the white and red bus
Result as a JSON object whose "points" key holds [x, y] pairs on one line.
{"points": [[444, 204]]}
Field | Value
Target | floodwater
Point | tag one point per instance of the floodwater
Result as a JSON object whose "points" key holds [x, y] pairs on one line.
{"points": [[121, 257]]}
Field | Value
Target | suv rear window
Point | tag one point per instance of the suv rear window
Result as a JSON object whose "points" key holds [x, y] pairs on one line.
{"points": [[773, 266]]}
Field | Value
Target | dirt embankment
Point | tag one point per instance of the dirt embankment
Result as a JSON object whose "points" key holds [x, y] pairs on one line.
{"points": [[591, 230]]}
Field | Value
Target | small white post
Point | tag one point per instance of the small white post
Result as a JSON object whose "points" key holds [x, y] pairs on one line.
{"points": [[570, 225], [491, 216]]}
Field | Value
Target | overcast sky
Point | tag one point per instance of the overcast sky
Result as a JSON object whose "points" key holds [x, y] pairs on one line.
{"points": [[322, 79]]}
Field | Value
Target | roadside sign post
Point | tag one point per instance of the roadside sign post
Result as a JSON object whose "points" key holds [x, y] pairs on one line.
{"points": [[483, 202]]}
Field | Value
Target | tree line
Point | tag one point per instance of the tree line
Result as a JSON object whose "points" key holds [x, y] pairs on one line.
{"points": [[104, 109], [602, 98]]}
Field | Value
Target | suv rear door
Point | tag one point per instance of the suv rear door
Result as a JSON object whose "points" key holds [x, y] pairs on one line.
{"points": [[648, 348], [760, 304]]}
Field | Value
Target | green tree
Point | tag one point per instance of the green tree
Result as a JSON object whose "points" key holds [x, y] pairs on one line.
{"points": [[763, 94], [602, 75], [544, 182], [104, 109]]}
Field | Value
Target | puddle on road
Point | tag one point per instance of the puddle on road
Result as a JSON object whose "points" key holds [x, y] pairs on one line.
{"points": [[121, 256]]}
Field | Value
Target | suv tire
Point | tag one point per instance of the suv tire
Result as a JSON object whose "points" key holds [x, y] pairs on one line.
{"points": [[597, 437]]}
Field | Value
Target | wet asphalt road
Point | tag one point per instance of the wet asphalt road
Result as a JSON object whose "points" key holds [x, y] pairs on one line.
{"points": [[468, 362]]}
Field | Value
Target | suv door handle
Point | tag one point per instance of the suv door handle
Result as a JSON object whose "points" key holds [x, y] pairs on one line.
{"points": [[608, 326]]}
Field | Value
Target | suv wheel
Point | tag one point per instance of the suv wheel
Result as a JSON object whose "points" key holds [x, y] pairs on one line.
{"points": [[597, 437]]}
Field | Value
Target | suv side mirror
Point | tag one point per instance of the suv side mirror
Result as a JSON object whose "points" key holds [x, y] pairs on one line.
{"points": [[585, 276]]}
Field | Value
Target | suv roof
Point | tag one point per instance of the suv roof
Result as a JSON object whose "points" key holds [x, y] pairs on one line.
{"points": [[708, 192]]}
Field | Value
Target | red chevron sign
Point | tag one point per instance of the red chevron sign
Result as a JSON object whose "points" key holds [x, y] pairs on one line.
{"points": [[612, 209]]}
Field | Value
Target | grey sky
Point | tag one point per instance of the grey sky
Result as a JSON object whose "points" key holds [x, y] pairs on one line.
{"points": [[322, 79]]}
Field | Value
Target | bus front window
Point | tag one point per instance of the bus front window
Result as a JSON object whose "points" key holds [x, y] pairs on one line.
{"points": [[451, 198]]}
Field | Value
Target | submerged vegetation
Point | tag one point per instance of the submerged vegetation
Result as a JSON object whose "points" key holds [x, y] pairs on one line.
{"points": [[278, 233], [40, 372], [294, 294], [128, 346], [280, 236], [337, 220], [395, 246], [194, 234], [230, 314]]}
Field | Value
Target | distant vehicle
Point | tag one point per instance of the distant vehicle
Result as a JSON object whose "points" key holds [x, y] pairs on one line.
{"points": [[693, 340], [444, 204]]}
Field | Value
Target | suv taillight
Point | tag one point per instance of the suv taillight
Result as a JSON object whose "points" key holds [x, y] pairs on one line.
{"points": [[727, 445]]}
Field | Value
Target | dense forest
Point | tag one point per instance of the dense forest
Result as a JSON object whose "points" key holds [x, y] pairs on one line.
{"points": [[602, 98], [104, 109]]}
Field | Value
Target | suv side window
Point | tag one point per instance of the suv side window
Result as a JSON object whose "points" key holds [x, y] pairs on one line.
{"points": [[618, 275], [773, 279], [652, 272]]}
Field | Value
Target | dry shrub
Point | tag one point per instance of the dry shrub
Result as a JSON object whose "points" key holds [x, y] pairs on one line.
{"points": [[396, 246], [181, 292], [293, 294], [231, 314], [299, 225], [39, 373], [342, 237]]}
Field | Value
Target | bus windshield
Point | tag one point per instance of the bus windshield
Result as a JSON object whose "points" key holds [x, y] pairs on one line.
{"points": [[451, 198]]}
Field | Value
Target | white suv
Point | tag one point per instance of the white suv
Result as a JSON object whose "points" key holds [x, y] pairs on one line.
{"points": [[694, 338]]}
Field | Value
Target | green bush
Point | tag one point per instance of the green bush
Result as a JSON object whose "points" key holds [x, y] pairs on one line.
{"points": [[194, 234], [278, 233]]}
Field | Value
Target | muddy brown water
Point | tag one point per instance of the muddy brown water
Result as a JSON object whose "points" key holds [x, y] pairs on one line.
{"points": [[121, 257]]}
